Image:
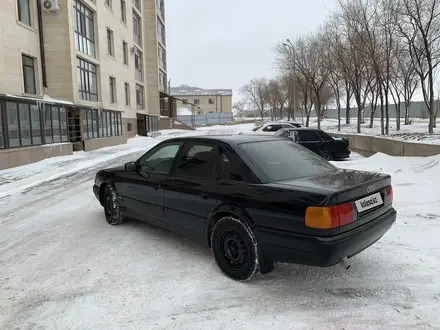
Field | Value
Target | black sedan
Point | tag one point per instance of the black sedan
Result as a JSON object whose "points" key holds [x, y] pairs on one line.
{"points": [[252, 199], [318, 141]]}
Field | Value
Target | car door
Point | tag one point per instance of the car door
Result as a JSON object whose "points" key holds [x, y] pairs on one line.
{"points": [[327, 141], [143, 189], [191, 190], [310, 140]]}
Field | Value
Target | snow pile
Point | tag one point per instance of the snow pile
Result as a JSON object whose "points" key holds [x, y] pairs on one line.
{"points": [[183, 112]]}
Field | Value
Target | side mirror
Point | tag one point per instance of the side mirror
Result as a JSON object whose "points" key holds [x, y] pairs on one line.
{"points": [[130, 167]]}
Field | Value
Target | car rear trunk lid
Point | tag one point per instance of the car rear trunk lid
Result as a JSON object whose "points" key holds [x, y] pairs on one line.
{"points": [[367, 192]]}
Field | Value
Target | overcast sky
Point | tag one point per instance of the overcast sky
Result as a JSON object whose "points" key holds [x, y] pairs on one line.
{"points": [[223, 44]]}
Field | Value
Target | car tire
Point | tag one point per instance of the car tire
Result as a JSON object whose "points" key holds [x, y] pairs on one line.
{"points": [[112, 210], [235, 248], [326, 155]]}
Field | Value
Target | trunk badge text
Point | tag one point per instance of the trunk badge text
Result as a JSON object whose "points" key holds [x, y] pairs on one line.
{"points": [[371, 188]]}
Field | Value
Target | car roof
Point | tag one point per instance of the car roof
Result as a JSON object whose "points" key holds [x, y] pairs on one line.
{"points": [[228, 138], [303, 128], [281, 122]]}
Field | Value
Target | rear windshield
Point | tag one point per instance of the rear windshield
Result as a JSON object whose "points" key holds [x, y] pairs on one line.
{"points": [[256, 128], [285, 160]]}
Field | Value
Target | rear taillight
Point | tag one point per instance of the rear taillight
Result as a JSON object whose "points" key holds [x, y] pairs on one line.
{"points": [[348, 147], [389, 195], [329, 217]]}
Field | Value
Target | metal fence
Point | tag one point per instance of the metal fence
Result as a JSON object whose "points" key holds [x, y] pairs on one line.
{"points": [[418, 110], [208, 119]]}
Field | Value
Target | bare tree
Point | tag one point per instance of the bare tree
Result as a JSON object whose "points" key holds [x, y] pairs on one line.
{"points": [[419, 24], [283, 95], [257, 93], [289, 100], [334, 62], [240, 107], [277, 96], [375, 91], [306, 99], [361, 71]]}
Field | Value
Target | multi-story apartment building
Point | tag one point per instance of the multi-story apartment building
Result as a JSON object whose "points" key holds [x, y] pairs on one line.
{"points": [[82, 74], [202, 101]]}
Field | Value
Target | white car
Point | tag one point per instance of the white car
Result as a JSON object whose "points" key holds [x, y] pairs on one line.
{"points": [[276, 126], [272, 127]]}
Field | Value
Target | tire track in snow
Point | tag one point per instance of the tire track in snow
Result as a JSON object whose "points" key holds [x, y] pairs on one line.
{"points": [[16, 206]]}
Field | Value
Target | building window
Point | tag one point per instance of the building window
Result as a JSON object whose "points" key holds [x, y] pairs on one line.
{"points": [[90, 124], [127, 94], [129, 127], [108, 3], [161, 32], [162, 57], [211, 101], [84, 29], [123, 11], [125, 52], [28, 124], [184, 101], [160, 8], [110, 43], [2, 135], [138, 65], [24, 12], [86, 80], [153, 123], [29, 74], [140, 97], [196, 101], [137, 29], [101, 123], [113, 98], [137, 4], [162, 81]]}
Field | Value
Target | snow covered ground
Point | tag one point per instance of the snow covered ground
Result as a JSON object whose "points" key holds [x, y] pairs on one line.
{"points": [[63, 267], [416, 132]]}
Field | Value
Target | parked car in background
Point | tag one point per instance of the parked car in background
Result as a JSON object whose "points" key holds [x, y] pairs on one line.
{"points": [[253, 199], [275, 126], [318, 141]]}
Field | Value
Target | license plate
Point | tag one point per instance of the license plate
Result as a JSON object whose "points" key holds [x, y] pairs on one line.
{"points": [[368, 202]]}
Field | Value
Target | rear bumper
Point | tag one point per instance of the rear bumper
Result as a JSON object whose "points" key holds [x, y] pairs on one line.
{"points": [[323, 251], [344, 154]]}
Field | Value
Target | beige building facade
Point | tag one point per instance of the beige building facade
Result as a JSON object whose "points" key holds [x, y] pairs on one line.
{"points": [[202, 101], [77, 71]]}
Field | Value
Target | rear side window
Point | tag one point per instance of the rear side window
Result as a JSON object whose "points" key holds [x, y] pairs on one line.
{"points": [[272, 128], [324, 136], [197, 160], [308, 136], [285, 160], [227, 170]]}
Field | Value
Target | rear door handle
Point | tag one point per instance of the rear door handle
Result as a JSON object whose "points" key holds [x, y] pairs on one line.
{"points": [[204, 196]]}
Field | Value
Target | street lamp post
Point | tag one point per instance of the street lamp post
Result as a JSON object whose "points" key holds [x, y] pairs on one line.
{"points": [[290, 47]]}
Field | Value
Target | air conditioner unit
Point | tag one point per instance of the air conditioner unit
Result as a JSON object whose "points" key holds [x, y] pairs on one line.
{"points": [[51, 6]]}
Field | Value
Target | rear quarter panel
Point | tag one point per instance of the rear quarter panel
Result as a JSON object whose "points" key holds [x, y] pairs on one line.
{"points": [[271, 207]]}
